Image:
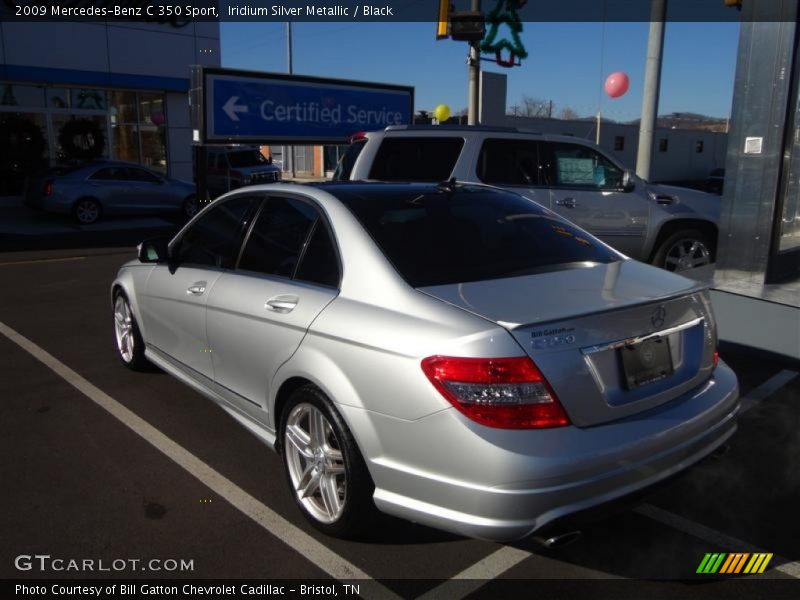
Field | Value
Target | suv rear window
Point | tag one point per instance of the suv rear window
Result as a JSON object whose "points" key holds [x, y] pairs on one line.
{"points": [[348, 160], [423, 159], [438, 238]]}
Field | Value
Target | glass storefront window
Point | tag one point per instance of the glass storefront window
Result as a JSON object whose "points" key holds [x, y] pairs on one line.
{"points": [[58, 98], [154, 147], [79, 138], [151, 109], [125, 142], [27, 96], [88, 99], [123, 107]]}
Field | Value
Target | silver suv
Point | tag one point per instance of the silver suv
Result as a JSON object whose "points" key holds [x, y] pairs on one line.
{"points": [[674, 228]]}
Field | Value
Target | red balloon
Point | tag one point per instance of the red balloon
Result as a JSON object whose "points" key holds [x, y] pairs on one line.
{"points": [[617, 84]]}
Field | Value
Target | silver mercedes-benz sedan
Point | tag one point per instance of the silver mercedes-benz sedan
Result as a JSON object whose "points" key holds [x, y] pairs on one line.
{"points": [[455, 355]]}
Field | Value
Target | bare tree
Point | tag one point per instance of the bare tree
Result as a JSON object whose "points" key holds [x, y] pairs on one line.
{"points": [[568, 114], [532, 107]]}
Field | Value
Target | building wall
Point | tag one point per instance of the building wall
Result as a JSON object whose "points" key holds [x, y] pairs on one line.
{"points": [[115, 55]]}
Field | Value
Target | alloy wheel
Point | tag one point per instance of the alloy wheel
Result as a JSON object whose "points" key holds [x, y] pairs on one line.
{"points": [[87, 211], [316, 466], [123, 327], [687, 254]]}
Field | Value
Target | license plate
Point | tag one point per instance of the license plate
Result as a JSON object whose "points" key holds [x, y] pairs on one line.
{"points": [[646, 362]]}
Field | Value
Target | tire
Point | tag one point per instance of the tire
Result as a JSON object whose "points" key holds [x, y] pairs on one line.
{"points": [[685, 249], [130, 346], [87, 211], [189, 207], [338, 499]]}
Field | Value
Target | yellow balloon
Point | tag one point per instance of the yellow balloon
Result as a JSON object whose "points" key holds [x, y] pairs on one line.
{"points": [[442, 112]]}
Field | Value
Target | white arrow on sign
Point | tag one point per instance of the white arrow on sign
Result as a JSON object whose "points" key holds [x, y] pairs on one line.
{"points": [[231, 108]]}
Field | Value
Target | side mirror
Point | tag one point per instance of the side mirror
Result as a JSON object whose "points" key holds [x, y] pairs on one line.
{"points": [[628, 181], [153, 250]]}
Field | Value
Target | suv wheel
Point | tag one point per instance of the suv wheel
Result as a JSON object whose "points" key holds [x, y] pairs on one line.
{"points": [[324, 468], [683, 250]]}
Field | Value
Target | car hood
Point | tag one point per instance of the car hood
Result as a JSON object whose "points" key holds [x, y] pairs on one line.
{"points": [[563, 294]]}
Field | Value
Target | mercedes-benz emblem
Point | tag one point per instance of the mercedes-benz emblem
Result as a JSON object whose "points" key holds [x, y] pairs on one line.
{"points": [[659, 316]]}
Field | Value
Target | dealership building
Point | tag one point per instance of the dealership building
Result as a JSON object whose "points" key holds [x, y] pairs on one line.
{"points": [[113, 89]]}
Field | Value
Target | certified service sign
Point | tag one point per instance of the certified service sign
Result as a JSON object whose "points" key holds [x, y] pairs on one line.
{"points": [[246, 107]]}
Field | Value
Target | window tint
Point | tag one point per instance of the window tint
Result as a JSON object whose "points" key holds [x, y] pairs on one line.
{"points": [[215, 238], [471, 235], [509, 162], [348, 160], [583, 167], [133, 174], [109, 174], [319, 264], [416, 159], [277, 237]]}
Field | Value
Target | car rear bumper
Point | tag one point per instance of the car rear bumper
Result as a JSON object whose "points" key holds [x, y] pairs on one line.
{"points": [[503, 485]]}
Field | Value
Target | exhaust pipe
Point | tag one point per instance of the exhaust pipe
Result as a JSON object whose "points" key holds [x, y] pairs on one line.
{"points": [[560, 540]]}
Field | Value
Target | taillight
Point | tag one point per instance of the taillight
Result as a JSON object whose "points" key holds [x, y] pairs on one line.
{"points": [[357, 136], [715, 358], [48, 188], [507, 393]]}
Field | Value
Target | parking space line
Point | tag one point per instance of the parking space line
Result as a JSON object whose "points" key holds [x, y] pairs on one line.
{"points": [[712, 536], [302, 543], [41, 260], [474, 577], [766, 389]]}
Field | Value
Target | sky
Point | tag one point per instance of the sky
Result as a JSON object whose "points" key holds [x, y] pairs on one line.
{"points": [[567, 62]]}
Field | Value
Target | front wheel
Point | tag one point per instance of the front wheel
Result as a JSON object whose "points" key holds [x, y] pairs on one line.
{"points": [[130, 346], [324, 468], [684, 250]]}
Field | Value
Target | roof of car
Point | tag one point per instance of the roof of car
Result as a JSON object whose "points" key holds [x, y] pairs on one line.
{"points": [[439, 130]]}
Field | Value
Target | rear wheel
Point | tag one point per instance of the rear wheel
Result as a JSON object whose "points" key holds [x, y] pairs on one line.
{"points": [[86, 211], [324, 468], [683, 250], [130, 346]]}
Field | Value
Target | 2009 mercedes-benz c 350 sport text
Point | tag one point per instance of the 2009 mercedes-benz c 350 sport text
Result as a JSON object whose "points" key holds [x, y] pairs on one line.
{"points": [[455, 355]]}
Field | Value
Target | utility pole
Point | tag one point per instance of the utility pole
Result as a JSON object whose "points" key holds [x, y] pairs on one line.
{"points": [[474, 69], [290, 154], [652, 86]]}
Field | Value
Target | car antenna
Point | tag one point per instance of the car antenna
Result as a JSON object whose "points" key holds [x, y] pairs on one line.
{"points": [[449, 185]]}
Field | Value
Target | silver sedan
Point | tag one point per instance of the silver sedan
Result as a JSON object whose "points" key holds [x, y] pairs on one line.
{"points": [[455, 355]]}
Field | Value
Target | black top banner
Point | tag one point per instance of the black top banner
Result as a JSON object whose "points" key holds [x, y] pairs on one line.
{"points": [[186, 11]]}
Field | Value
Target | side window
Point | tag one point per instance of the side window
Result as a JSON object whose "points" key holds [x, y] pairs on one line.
{"points": [[577, 166], [319, 264], [424, 159], [215, 238], [277, 238], [509, 162], [133, 174], [108, 174]]}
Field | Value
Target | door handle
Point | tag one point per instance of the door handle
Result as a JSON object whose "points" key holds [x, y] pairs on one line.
{"points": [[198, 288], [567, 202], [282, 304]]}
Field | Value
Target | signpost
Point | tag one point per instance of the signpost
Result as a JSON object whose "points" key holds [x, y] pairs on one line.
{"points": [[242, 107]]}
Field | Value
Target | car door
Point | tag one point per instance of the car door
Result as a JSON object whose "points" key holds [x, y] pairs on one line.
{"points": [[587, 188], [258, 314], [149, 194], [174, 301], [514, 164]]}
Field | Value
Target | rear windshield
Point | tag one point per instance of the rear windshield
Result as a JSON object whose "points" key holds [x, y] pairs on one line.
{"points": [[439, 238], [423, 159]]}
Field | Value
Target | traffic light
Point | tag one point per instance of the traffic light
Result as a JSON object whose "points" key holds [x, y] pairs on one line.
{"points": [[443, 25]]}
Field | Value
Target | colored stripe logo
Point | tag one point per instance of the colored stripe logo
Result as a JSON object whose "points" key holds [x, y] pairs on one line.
{"points": [[734, 563]]}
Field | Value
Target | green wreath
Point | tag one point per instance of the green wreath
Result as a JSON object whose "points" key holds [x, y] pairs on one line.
{"points": [[81, 139]]}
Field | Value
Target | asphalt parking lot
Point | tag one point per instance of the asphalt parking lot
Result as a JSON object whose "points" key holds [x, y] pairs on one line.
{"points": [[102, 463]]}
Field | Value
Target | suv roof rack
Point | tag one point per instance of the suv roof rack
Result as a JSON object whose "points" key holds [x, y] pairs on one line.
{"points": [[455, 127]]}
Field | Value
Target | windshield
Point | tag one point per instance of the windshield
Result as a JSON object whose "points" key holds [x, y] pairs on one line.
{"points": [[473, 234], [246, 158]]}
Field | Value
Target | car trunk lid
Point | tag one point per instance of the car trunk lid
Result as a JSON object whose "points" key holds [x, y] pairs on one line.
{"points": [[578, 324]]}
